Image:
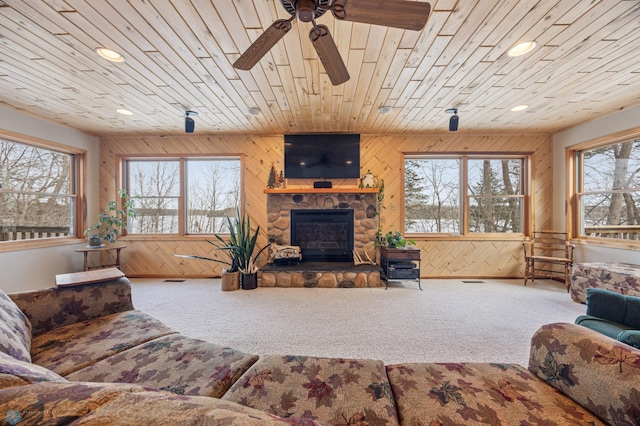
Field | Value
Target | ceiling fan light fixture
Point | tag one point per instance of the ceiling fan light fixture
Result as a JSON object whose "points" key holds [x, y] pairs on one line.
{"points": [[384, 110], [253, 111], [305, 10], [522, 48], [519, 108], [124, 111], [109, 55]]}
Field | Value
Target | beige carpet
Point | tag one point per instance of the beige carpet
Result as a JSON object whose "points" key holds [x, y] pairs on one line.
{"points": [[450, 321]]}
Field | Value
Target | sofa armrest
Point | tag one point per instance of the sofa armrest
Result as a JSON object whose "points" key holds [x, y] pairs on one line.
{"points": [[54, 307], [596, 371]]}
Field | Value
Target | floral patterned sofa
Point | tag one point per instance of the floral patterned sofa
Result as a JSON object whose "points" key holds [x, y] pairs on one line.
{"points": [[84, 355]]}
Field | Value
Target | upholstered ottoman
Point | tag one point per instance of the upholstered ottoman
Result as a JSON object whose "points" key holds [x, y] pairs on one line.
{"points": [[332, 390], [173, 363], [623, 278], [475, 394]]}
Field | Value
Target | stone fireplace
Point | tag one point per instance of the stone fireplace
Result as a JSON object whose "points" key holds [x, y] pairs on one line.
{"points": [[361, 203], [337, 221]]}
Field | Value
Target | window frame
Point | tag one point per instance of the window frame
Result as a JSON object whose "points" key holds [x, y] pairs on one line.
{"points": [[573, 170], [465, 196], [123, 182], [78, 176]]}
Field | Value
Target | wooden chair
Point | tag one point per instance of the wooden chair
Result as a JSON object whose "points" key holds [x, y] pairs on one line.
{"points": [[546, 250]]}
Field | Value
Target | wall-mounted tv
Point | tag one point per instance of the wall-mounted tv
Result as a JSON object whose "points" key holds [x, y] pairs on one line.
{"points": [[322, 156]]}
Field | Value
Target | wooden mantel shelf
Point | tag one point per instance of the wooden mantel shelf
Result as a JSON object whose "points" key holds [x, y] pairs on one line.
{"points": [[348, 190]]}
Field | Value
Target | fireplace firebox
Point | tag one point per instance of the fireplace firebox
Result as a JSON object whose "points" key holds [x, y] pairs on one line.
{"points": [[324, 235]]}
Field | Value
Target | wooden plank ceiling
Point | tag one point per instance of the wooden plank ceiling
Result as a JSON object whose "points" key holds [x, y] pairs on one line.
{"points": [[179, 55]]}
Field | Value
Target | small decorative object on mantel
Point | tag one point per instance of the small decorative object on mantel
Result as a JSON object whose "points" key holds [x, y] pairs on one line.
{"points": [[281, 181], [273, 178], [358, 260], [368, 180]]}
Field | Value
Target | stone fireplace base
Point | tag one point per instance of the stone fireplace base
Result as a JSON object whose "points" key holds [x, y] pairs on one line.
{"points": [[321, 274]]}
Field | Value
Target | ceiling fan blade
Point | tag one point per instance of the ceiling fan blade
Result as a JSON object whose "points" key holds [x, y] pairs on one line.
{"points": [[329, 55], [409, 15], [263, 44]]}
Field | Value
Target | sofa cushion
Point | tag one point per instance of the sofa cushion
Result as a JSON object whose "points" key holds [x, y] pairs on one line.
{"points": [[606, 304], [14, 372], [15, 330], [173, 363], [75, 346], [475, 394], [608, 328], [109, 404], [331, 390]]}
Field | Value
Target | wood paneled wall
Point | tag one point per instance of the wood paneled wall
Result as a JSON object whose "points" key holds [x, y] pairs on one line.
{"points": [[383, 155]]}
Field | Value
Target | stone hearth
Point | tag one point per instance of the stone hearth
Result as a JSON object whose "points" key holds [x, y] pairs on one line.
{"points": [[321, 274]]}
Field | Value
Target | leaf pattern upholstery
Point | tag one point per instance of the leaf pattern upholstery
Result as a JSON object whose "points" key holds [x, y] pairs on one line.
{"points": [[74, 346], [15, 332], [597, 372], [109, 404], [174, 363], [478, 394], [333, 390]]}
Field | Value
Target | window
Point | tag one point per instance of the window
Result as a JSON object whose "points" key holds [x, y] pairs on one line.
{"points": [[38, 192], [491, 200], [608, 190], [183, 195]]}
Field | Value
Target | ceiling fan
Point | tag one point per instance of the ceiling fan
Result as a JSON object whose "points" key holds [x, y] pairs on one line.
{"points": [[410, 15]]}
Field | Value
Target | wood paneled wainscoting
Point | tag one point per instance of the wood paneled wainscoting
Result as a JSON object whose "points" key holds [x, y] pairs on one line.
{"points": [[465, 256]]}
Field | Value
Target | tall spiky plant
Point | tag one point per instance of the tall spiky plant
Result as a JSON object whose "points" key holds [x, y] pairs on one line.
{"points": [[243, 242]]}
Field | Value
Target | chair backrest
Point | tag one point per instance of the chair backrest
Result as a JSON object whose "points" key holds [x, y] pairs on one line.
{"points": [[550, 243]]}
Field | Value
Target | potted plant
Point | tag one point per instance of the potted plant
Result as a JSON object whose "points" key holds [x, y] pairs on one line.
{"points": [[111, 221], [396, 240], [239, 248], [244, 244], [230, 276]]}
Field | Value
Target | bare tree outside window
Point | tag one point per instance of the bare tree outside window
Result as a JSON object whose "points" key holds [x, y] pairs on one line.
{"points": [[493, 194], [609, 195], [432, 197], [37, 196], [213, 194], [210, 188]]}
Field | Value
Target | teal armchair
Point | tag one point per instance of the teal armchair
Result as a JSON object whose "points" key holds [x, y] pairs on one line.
{"points": [[613, 314]]}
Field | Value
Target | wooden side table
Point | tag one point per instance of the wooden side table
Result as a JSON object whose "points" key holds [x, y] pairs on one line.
{"points": [[87, 277], [104, 248], [397, 264]]}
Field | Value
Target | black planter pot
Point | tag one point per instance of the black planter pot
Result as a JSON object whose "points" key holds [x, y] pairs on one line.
{"points": [[249, 281]]}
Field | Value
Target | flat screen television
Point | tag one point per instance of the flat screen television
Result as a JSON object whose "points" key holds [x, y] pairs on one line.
{"points": [[322, 156]]}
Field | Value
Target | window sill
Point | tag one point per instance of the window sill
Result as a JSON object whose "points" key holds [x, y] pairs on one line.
{"points": [[9, 246], [603, 242], [472, 237]]}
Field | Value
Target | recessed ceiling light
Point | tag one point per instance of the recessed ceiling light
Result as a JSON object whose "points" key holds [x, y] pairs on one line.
{"points": [[384, 110], [519, 108], [522, 48], [253, 111], [124, 111], [109, 55]]}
